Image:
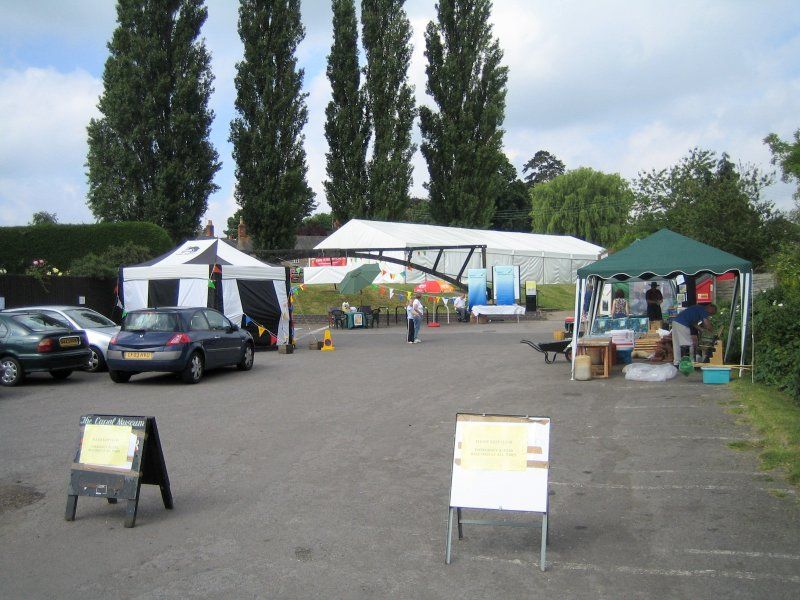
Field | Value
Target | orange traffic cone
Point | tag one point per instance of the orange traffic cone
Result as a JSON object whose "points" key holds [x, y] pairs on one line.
{"points": [[327, 342]]}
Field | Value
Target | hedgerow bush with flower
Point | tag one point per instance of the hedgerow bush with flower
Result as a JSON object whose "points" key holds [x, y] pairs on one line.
{"points": [[40, 269]]}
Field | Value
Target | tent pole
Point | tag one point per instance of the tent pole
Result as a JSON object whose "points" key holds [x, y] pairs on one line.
{"points": [[745, 313], [594, 303], [752, 339], [734, 305], [576, 323]]}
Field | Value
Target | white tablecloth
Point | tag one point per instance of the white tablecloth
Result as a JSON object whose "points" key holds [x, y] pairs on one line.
{"points": [[510, 309]]}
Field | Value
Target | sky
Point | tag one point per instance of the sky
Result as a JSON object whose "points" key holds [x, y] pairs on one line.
{"points": [[621, 87]]}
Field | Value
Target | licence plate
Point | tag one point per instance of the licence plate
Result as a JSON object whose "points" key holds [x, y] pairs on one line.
{"points": [[69, 342], [138, 355]]}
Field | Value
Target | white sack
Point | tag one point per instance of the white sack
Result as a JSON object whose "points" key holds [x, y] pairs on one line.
{"points": [[646, 372]]}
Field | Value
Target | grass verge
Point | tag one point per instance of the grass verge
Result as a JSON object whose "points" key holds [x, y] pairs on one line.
{"points": [[317, 299], [776, 419]]}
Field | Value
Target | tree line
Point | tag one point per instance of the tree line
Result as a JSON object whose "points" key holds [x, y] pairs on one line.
{"points": [[150, 158]]}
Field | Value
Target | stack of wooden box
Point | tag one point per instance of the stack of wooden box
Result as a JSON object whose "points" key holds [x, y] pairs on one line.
{"points": [[646, 344]]}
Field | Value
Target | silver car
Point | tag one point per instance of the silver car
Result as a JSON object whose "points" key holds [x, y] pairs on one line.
{"points": [[99, 329]]}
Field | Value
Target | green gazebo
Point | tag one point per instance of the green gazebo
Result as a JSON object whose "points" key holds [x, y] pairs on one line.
{"points": [[665, 255]]}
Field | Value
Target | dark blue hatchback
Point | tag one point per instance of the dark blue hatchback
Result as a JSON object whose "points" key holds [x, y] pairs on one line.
{"points": [[178, 340]]}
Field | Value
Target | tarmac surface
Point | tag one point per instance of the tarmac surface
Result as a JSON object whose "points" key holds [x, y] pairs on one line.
{"points": [[327, 474]]}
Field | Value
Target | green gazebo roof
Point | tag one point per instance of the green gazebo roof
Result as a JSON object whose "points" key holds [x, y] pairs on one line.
{"points": [[665, 254]]}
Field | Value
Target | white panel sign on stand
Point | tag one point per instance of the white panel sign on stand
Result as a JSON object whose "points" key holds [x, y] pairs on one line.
{"points": [[500, 462]]}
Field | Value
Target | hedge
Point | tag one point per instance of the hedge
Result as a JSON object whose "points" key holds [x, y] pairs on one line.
{"points": [[777, 331], [59, 245]]}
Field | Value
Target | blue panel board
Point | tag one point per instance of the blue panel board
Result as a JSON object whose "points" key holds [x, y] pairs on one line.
{"points": [[504, 285], [476, 280]]}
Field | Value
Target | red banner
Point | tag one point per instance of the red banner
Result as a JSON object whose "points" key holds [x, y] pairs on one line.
{"points": [[329, 262]]}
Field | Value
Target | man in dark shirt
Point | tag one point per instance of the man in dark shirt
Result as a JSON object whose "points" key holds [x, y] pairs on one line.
{"points": [[654, 299], [689, 317]]}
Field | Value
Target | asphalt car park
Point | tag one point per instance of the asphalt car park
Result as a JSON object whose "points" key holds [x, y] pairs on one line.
{"points": [[326, 474]]}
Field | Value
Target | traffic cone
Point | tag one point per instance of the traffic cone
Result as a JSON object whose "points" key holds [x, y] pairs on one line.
{"points": [[327, 342]]}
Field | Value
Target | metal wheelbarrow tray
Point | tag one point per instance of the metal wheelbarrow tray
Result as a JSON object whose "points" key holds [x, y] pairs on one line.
{"points": [[554, 348]]}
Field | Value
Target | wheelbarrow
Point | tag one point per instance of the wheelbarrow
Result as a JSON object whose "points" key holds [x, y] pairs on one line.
{"points": [[552, 348]]}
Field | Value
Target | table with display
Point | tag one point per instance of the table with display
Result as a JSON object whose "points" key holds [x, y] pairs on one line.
{"points": [[491, 310], [354, 320]]}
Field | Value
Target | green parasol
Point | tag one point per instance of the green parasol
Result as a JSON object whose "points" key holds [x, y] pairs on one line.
{"points": [[359, 278]]}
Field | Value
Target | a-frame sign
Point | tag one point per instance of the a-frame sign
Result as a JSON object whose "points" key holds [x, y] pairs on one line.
{"points": [[116, 454]]}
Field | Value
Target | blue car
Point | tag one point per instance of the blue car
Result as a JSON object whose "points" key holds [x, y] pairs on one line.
{"points": [[179, 340]]}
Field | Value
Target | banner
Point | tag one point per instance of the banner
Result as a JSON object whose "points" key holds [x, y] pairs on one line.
{"points": [[476, 280], [329, 262], [504, 285]]}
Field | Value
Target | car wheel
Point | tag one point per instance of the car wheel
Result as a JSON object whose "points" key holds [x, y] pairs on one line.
{"points": [[96, 361], [120, 376], [193, 371], [247, 359], [61, 374], [11, 372]]}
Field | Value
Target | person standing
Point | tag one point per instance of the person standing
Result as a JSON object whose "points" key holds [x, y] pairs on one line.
{"points": [[410, 321], [620, 306], [681, 332], [419, 312], [460, 305], [654, 298]]}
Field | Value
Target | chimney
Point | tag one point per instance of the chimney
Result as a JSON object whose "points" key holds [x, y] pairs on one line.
{"points": [[209, 230], [243, 240]]}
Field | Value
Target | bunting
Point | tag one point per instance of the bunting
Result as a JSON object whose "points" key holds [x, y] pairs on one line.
{"points": [[273, 339]]}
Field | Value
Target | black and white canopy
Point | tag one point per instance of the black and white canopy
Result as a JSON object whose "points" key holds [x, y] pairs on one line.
{"points": [[210, 272]]}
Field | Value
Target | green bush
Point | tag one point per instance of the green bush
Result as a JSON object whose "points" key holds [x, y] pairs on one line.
{"points": [[107, 264], [61, 245], [776, 323]]}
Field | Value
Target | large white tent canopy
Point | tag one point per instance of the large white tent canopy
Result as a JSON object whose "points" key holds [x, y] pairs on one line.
{"points": [[541, 258]]}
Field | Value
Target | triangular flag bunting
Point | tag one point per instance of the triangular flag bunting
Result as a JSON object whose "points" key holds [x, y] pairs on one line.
{"points": [[261, 330], [211, 284], [391, 293]]}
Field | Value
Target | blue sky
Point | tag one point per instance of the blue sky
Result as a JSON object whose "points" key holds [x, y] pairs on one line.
{"points": [[616, 86]]}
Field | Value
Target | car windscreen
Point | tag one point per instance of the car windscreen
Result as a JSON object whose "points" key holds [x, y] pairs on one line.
{"points": [[89, 319], [40, 321], [150, 321]]}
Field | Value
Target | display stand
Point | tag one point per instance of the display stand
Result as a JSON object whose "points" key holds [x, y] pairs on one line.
{"points": [[500, 462], [116, 454]]}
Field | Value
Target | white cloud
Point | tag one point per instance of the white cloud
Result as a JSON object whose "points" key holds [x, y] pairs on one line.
{"points": [[43, 147], [613, 85]]}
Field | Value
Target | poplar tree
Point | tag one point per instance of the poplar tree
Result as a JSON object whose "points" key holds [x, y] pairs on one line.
{"points": [[386, 35], [267, 135], [347, 126], [149, 155], [462, 139]]}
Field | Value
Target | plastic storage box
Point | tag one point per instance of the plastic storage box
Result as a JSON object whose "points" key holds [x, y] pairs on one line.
{"points": [[716, 374], [624, 356]]}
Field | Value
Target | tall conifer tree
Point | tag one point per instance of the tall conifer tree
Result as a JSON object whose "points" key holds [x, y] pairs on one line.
{"points": [[462, 142], [267, 135], [386, 35], [149, 156], [347, 126]]}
